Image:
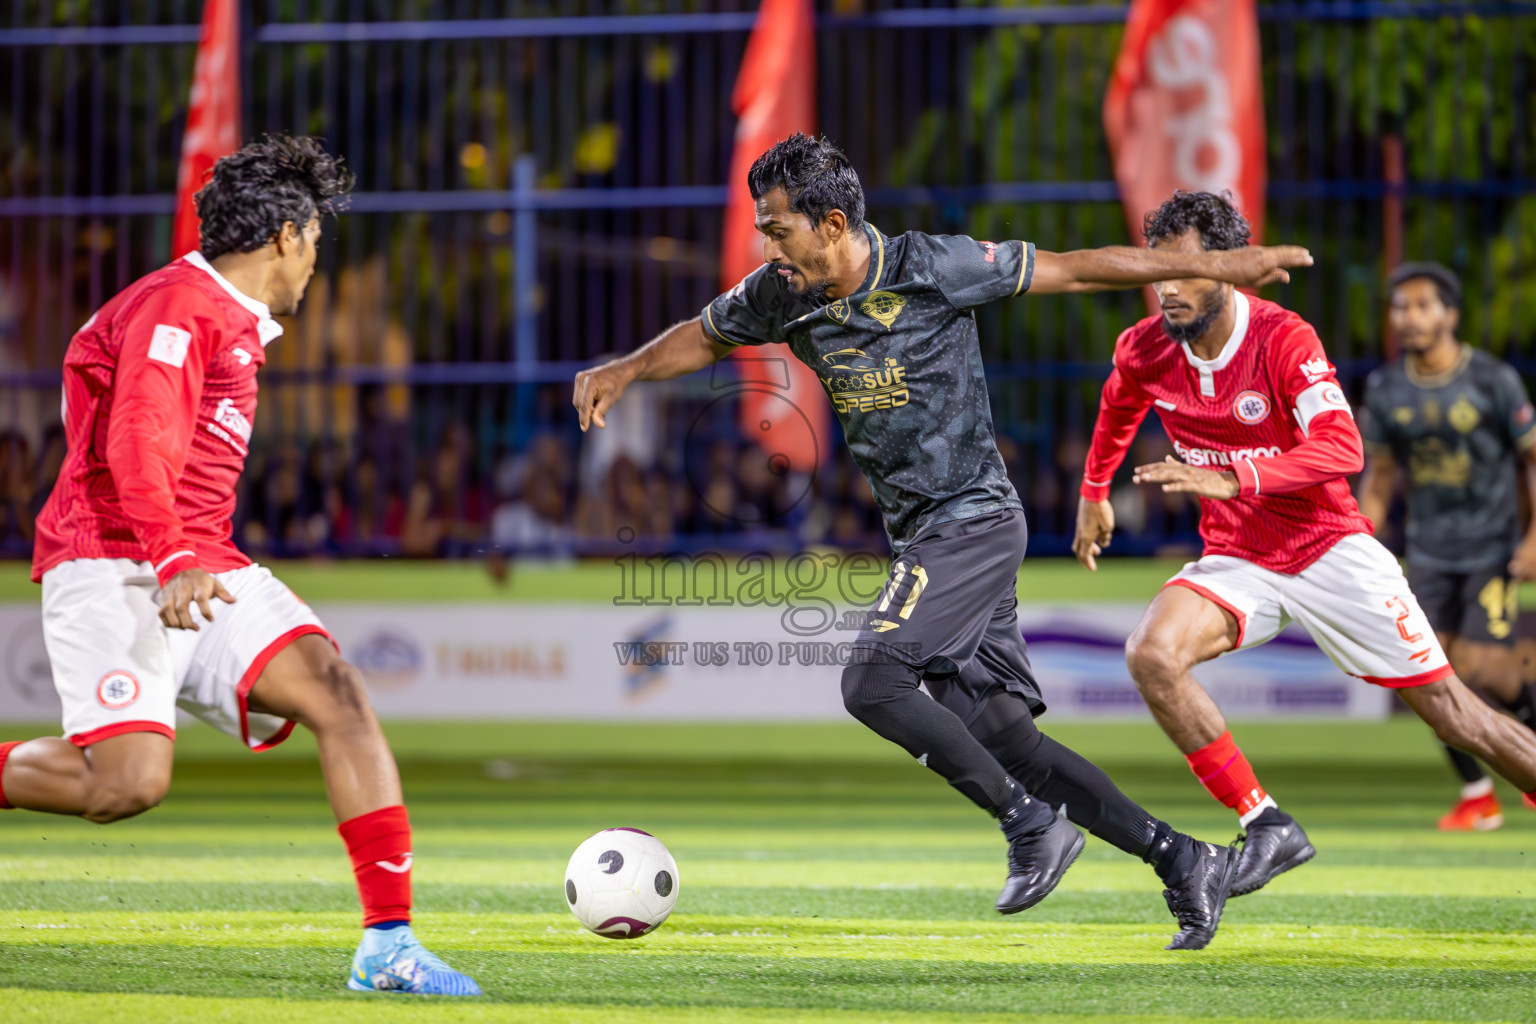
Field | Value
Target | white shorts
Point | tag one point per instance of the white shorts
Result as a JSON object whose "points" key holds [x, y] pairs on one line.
{"points": [[118, 669], [1354, 601]]}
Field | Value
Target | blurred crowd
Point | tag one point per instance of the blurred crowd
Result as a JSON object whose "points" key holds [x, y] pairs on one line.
{"points": [[564, 494]]}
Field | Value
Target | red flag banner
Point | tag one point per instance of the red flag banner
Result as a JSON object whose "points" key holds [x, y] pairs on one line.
{"points": [[213, 115], [784, 408], [1185, 107]]}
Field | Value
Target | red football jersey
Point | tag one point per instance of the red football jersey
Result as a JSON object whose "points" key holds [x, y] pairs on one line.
{"points": [[159, 397], [1269, 408]]}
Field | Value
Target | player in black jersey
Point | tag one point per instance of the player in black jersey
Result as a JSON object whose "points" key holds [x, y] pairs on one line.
{"points": [[886, 324], [1460, 422]]}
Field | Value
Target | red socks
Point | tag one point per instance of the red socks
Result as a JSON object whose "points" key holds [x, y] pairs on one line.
{"points": [[379, 843], [5, 752], [1226, 773]]}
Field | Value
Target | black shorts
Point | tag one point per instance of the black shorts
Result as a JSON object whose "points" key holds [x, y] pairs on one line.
{"points": [[949, 610], [1481, 607]]}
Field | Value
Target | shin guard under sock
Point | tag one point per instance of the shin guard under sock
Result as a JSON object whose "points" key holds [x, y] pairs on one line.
{"points": [[1226, 774], [379, 844]]}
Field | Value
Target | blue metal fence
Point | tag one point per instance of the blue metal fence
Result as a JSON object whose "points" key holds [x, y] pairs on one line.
{"points": [[538, 190]]}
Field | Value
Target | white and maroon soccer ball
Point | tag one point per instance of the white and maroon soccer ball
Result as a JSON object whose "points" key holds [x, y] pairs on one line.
{"points": [[621, 883]]}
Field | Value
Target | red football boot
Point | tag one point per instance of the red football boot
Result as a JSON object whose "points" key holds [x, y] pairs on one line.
{"points": [[1476, 814]]}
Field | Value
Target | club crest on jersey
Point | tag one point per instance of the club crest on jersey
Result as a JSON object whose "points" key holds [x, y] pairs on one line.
{"points": [[884, 307], [839, 310], [117, 689], [1251, 408], [1463, 416]]}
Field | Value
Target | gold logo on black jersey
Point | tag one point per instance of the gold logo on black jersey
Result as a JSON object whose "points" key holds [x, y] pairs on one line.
{"points": [[1463, 416], [839, 310], [1403, 414], [884, 307], [1432, 464], [850, 359], [857, 382]]}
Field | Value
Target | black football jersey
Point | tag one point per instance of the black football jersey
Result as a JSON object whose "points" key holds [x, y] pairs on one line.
{"points": [[1458, 435], [901, 362]]}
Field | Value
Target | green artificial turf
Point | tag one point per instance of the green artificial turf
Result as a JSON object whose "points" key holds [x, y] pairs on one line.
{"points": [[393, 580], [389, 580], [823, 877]]}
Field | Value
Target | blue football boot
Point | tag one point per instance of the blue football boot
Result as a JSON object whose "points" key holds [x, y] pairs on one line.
{"points": [[392, 960]]}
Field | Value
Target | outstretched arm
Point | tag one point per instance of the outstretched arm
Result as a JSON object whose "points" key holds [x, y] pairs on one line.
{"points": [[1122, 266], [679, 350]]}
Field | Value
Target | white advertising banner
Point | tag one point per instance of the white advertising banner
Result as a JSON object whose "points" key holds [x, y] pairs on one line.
{"points": [[733, 663]]}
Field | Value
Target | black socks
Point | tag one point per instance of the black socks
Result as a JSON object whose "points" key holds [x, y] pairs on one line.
{"points": [[1024, 814], [1058, 776], [1172, 854], [884, 696]]}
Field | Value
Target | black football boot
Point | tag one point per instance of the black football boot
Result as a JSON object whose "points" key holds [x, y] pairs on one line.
{"points": [[1041, 846], [1274, 843], [1197, 891]]}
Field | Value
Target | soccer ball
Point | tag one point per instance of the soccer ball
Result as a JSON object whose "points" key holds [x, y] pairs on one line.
{"points": [[621, 883]]}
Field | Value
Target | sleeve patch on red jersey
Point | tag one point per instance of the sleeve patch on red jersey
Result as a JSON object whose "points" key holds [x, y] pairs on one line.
{"points": [[169, 345], [1324, 396], [1315, 369]]}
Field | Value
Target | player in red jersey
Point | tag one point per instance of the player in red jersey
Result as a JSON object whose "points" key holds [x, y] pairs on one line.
{"points": [[1266, 438], [134, 545]]}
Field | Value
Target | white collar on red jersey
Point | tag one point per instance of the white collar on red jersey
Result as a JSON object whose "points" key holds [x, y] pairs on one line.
{"points": [[1207, 367], [267, 329]]}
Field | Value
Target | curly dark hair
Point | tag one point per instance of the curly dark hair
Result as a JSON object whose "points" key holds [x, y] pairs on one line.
{"points": [[1442, 277], [816, 176], [253, 192], [1216, 217]]}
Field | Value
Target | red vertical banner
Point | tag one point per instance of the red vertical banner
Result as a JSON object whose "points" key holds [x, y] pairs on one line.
{"points": [[775, 96], [1185, 107], [213, 114]]}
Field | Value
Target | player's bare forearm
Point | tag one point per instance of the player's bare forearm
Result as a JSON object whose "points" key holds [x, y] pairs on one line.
{"points": [[679, 350], [1376, 490], [1123, 266], [1179, 478]]}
